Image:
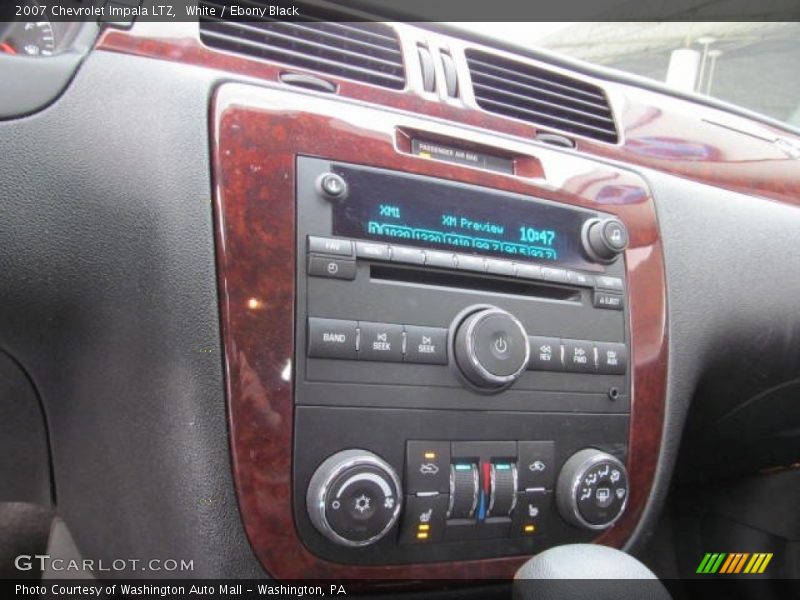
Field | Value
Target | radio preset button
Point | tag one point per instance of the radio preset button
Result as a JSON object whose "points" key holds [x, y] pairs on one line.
{"points": [[612, 358], [325, 245], [467, 262], [413, 256], [545, 353], [373, 251], [334, 268], [444, 260], [380, 341], [579, 356], [331, 338], [426, 345], [500, 267], [606, 300], [581, 279], [526, 271], [555, 275]]}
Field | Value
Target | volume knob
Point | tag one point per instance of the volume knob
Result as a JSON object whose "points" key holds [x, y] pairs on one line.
{"points": [[491, 348]]}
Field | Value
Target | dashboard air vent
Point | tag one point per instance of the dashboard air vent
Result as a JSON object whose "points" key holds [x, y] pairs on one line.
{"points": [[522, 91], [322, 42]]}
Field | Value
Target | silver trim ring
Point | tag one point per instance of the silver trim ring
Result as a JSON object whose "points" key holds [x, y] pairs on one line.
{"points": [[334, 466], [580, 473], [469, 337]]}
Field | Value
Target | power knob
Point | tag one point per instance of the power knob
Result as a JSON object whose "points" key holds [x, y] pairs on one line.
{"points": [[491, 347], [604, 239], [354, 498], [592, 489]]}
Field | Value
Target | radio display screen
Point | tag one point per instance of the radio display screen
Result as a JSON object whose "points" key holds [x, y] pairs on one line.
{"points": [[429, 213]]}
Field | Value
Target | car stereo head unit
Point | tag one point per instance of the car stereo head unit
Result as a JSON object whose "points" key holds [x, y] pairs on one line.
{"points": [[399, 209], [462, 370]]}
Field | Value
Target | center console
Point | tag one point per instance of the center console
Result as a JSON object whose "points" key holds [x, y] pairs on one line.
{"points": [[435, 367], [455, 346]]}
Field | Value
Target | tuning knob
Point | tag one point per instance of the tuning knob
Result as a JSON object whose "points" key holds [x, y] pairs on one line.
{"points": [[491, 348], [604, 239], [354, 498], [592, 489]]}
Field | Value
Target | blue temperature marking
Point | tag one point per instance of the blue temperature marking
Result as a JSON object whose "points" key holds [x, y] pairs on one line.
{"points": [[482, 507], [502, 467], [463, 467]]}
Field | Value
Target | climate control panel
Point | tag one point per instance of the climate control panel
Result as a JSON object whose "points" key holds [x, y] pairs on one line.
{"points": [[463, 491]]}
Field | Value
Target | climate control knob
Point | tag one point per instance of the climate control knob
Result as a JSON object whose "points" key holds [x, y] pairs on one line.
{"points": [[354, 498], [491, 348], [592, 489], [604, 239]]}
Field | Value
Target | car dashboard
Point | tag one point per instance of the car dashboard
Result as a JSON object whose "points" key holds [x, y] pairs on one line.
{"points": [[387, 301]]}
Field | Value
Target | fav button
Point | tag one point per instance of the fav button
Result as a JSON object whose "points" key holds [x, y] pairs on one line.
{"points": [[426, 345], [380, 341], [330, 246], [427, 466], [331, 338]]}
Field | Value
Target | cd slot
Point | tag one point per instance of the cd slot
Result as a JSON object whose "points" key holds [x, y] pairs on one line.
{"points": [[483, 283]]}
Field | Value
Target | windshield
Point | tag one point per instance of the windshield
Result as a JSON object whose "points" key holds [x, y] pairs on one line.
{"points": [[752, 65]]}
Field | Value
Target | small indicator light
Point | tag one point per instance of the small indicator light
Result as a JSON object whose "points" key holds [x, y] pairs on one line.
{"points": [[422, 536], [430, 455], [424, 527], [529, 528]]}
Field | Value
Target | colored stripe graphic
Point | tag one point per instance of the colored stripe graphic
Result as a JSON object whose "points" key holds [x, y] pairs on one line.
{"points": [[734, 563], [728, 563], [767, 558]]}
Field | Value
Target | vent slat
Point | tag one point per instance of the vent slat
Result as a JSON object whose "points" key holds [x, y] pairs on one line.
{"points": [[367, 52], [542, 97], [306, 61], [527, 88], [537, 104], [271, 37], [555, 82], [545, 118]]}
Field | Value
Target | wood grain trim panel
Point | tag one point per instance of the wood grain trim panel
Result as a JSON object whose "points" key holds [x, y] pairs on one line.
{"points": [[257, 135], [662, 132]]}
